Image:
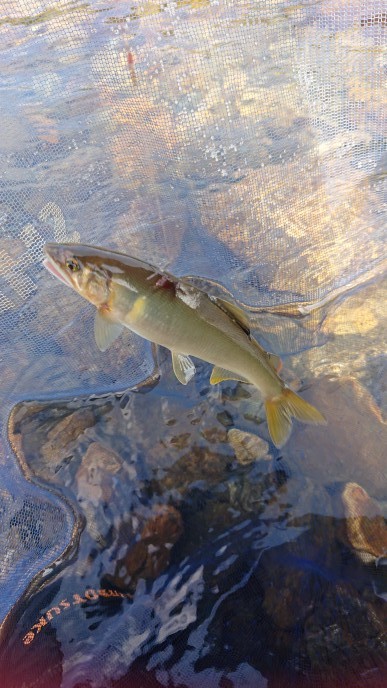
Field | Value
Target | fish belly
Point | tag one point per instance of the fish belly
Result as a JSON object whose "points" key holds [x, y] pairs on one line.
{"points": [[169, 322]]}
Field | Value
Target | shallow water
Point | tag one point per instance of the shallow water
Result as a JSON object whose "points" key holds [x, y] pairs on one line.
{"points": [[239, 142], [193, 568]]}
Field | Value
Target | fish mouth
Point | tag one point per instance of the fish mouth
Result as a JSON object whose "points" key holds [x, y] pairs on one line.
{"points": [[56, 271]]}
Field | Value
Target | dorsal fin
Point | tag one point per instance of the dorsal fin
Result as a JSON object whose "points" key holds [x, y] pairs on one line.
{"points": [[236, 313]]}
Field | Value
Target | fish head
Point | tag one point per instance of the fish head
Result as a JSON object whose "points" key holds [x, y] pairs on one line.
{"points": [[79, 268]]}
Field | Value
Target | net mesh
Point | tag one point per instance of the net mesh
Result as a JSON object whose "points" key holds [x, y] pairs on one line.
{"points": [[241, 142]]}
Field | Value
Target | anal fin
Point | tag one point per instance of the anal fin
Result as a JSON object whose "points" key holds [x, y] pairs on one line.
{"points": [[219, 374]]}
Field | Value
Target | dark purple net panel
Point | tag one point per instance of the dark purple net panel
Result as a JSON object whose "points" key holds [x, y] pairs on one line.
{"points": [[243, 142]]}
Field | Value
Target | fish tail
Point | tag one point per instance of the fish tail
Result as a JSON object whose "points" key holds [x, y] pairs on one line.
{"points": [[281, 409]]}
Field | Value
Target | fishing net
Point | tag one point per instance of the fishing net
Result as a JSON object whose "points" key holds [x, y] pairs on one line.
{"points": [[241, 143]]}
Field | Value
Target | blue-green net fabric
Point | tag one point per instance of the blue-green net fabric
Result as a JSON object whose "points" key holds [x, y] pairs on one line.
{"points": [[239, 142]]}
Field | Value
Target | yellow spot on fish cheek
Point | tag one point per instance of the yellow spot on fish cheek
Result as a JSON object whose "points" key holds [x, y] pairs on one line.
{"points": [[138, 308]]}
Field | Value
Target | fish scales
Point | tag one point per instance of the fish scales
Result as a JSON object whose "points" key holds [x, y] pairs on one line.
{"points": [[202, 330]]}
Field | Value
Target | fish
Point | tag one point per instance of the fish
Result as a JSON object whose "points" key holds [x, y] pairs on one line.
{"points": [[172, 312]]}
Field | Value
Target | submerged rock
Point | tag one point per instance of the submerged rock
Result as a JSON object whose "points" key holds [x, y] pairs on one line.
{"points": [[95, 486], [294, 575], [199, 464], [262, 539], [94, 476], [345, 634], [247, 446], [48, 435], [61, 438], [150, 555], [365, 528]]}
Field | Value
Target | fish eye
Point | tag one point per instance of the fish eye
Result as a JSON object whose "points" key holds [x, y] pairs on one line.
{"points": [[73, 265]]}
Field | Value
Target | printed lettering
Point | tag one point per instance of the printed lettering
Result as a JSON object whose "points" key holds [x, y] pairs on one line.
{"points": [[49, 614], [42, 622], [104, 593], [114, 593], [28, 638], [64, 604], [91, 594], [109, 593]]}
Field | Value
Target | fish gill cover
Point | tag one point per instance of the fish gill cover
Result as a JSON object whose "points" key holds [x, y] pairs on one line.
{"points": [[143, 542]]}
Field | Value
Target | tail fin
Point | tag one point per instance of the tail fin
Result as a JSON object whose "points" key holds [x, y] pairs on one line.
{"points": [[281, 409]]}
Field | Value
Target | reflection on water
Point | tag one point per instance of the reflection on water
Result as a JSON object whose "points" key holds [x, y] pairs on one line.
{"points": [[200, 564]]}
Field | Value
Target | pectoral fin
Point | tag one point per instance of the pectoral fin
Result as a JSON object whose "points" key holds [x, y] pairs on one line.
{"points": [[183, 367], [105, 331], [219, 374]]}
